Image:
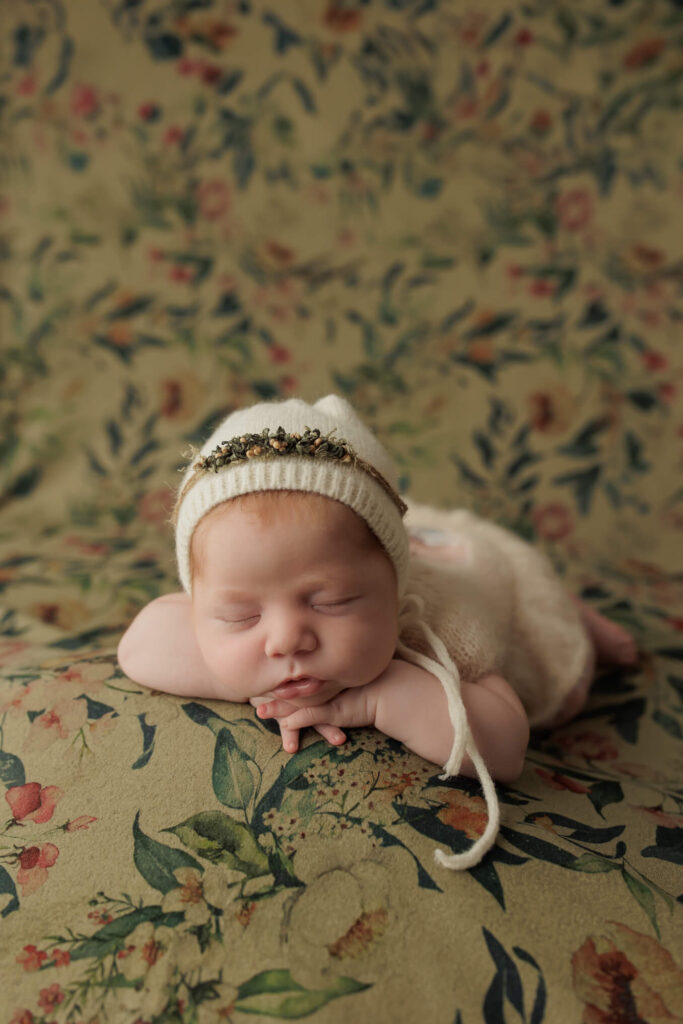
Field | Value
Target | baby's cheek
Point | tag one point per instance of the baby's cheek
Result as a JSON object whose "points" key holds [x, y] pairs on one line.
{"points": [[372, 649], [219, 657]]}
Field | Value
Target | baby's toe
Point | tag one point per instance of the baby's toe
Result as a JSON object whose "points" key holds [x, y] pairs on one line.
{"points": [[619, 646], [627, 651]]}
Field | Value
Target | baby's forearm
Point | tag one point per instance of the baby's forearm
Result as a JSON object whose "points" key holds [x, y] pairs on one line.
{"points": [[159, 650], [411, 706]]}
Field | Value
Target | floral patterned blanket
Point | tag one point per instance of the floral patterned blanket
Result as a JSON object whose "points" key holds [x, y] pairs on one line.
{"points": [[466, 218]]}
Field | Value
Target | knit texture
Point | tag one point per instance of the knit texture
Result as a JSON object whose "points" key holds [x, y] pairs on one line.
{"points": [[498, 605], [348, 484]]}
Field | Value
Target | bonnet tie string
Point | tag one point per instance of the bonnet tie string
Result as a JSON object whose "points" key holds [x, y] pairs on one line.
{"points": [[445, 670]]}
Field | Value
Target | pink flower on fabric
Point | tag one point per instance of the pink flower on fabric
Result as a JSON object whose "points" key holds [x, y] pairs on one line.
{"points": [[27, 86], [173, 135], [33, 802], [552, 521], [22, 1017], [84, 101], [213, 199], [35, 860], [50, 997], [574, 209], [279, 354], [84, 821], [654, 360], [31, 958]]}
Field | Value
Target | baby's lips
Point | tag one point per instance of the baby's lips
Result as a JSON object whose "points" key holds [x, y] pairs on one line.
{"points": [[305, 687]]}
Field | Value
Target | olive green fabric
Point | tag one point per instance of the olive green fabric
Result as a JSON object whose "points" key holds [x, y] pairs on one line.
{"points": [[465, 218]]}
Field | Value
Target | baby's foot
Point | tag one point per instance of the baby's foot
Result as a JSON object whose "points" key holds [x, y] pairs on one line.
{"points": [[613, 644]]}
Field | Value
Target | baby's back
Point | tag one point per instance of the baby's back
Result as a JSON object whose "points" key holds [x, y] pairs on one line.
{"points": [[498, 605]]}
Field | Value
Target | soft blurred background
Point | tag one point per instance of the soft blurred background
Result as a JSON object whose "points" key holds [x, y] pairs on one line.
{"points": [[464, 217]]}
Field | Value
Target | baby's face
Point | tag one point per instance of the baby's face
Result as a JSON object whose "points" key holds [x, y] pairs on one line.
{"points": [[306, 597]]}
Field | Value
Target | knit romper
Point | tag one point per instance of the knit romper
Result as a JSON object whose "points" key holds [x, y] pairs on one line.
{"points": [[498, 605]]}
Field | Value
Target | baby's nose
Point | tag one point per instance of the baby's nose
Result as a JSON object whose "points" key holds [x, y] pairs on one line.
{"points": [[289, 635]]}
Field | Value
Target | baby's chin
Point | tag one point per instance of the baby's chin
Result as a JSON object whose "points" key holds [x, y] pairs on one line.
{"points": [[322, 697]]}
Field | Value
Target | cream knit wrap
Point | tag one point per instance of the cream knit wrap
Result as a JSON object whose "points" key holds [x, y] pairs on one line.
{"points": [[369, 497]]}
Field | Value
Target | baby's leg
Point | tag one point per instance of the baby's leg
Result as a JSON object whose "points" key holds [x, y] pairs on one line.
{"points": [[576, 698], [613, 645]]}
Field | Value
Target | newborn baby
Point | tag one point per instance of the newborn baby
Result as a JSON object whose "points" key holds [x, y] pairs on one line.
{"points": [[305, 594]]}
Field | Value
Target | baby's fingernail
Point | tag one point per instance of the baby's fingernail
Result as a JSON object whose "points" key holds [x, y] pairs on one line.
{"points": [[262, 710]]}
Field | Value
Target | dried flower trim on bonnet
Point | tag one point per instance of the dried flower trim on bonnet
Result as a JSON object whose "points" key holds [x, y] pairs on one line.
{"points": [[278, 444], [292, 445]]}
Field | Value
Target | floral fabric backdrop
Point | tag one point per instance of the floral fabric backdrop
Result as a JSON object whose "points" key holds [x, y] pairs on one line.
{"points": [[466, 218]]}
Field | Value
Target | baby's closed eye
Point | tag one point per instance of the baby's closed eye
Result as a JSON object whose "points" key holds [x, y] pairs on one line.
{"points": [[238, 620], [335, 604]]}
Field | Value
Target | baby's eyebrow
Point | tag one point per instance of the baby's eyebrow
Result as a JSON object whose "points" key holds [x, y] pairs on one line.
{"points": [[233, 595], [312, 586]]}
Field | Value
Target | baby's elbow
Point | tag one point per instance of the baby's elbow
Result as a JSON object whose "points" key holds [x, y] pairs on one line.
{"points": [[122, 653], [128, 657], [511, 756]]}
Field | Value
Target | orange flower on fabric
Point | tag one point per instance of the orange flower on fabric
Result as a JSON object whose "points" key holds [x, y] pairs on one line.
{"points": [[621, 975], [34, 861], [33, 802], [465, 813]]}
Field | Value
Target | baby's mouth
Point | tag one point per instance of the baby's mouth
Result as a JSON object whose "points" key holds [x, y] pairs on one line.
{"points": [[304, 686]]}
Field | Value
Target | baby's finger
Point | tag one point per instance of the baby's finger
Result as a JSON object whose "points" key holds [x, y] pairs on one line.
{"points": [[290, 739], [318, 714], [275, 709], [331, 733]]}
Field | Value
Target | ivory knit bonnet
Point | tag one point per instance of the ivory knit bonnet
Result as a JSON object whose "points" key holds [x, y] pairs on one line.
{"points": [[367, 481]]}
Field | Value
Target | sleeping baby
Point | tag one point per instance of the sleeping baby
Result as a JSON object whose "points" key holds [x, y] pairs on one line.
{"points": [[313, 591]]}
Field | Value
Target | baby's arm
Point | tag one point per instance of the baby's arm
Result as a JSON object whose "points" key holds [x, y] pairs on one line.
{"points": [[159, 650], [408, 703]]}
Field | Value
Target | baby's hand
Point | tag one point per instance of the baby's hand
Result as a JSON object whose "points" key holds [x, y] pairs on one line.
{"points": [[354, 707], [290, 737]]}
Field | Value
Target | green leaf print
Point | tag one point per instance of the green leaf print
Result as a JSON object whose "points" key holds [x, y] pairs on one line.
{"points": [[7, 887], [221, 840], [643, 895], [110, 938], [276, 994], [601, 794], [583, 484], [591, 863], [668, 722], [233, 781], [157, 862], [11, 770]]}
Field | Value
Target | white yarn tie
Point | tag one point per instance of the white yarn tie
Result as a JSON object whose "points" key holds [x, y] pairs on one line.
{"points": [[447, 673]]}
